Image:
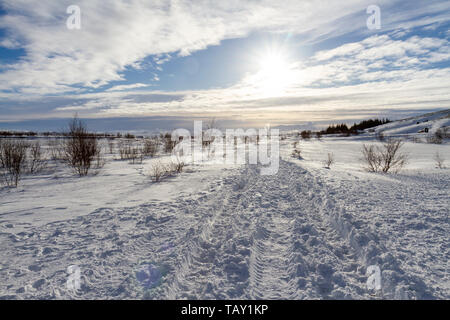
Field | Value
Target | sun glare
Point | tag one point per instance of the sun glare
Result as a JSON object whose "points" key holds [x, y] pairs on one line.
{"points": [[274, 75]]}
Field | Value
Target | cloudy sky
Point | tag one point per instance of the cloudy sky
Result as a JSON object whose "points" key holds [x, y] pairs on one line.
{"points": [[278, 62]]}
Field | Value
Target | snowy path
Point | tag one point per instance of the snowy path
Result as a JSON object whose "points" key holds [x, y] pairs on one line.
{"points": [[286, 236]]}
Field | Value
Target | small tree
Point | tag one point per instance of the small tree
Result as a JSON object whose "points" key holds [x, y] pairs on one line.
{"points": [[13, 156], [36, 162], [80, 147]]}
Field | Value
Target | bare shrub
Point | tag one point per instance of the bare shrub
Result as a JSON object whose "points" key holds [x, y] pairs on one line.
{"points": [[130, 152], [56, 150], [36, 161], [13, 156], [371, 158], [330, 160], [111, 146], [436, 138], [136, 156], [160, 170], [99, 160], [445, 132], [177, 166], [168, 143], [80, 147], [439, 160], [157, 171], [150, 147], [296, 153], [385, 158], [125, 150]]}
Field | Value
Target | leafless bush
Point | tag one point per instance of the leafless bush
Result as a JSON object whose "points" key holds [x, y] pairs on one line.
{"points": [[385, 158], [136, 155], [36, 161], [371, 158], [130, 152], [157, 171], [439, 160], [177, 166], [80, 147], [168, 143], [445, 132], [99, 160], [150, 147], [125, 150], [436, 138], [330, 160], [111, 146], [296, 153], [56, 150], [13, 155]]}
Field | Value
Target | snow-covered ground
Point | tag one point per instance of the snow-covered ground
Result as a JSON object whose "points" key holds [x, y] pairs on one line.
{"points": [[227, 232]]}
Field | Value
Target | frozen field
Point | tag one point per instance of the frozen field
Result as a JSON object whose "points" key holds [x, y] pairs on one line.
{"points": [[227, 232]]}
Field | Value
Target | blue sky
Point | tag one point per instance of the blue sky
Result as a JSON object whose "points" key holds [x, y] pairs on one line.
{"points": [[255, 62]]}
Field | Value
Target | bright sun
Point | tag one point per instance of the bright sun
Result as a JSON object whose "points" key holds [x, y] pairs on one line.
{"points": [[275, 74]]}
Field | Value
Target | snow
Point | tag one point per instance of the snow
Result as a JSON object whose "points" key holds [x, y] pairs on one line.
{"points": [[228, 232], [432, 121]]}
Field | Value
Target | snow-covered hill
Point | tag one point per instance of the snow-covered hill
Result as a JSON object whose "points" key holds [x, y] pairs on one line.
{"points": [[417, 125]]}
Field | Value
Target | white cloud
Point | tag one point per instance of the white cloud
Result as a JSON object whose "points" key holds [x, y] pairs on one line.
{"points": [[379, 72], [126, 87], [351, 82], [119, 34]]}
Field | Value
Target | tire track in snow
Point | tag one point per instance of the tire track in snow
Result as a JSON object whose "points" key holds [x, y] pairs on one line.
{"points": [[272, 267], [199, 272], [369, 249], [266, 239], [273, 262]]}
